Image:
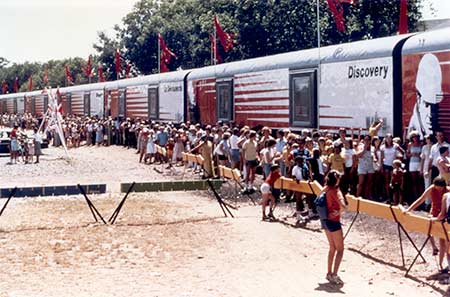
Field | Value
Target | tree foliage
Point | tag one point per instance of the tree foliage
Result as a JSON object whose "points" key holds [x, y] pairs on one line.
{"points": [[260, 27]]}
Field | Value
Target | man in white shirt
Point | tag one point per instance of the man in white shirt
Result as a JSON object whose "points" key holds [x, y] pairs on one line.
{"points": [[235, 153], [434, 153]]}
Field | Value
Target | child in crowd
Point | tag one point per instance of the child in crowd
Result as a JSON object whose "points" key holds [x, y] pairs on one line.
{"points": [[397, 182], [269, 194]]}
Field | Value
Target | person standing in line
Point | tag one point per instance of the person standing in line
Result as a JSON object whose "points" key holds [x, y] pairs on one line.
{"points": [[14, 145], [425, 159], [332, 226], [365, 168], [434, 153], [443, 163], [37, 140], [235, 153], [413, 152], [249, 149]]}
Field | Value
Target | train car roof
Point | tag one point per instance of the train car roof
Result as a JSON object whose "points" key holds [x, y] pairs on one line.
{"points": [[433, 40], [148, 79], [358, 50]]}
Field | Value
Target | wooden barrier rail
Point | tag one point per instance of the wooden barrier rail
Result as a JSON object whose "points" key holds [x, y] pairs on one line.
{"points": [[233, 174], [161, 150], [409, 221], [197, 159]]}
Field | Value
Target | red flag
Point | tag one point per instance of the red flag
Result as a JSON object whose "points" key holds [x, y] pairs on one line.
{"points": [[88, 68], [403, 21], [101, 77], [118, 67], [4, 87], [16, 85], [166, 54], [46, 77], [68, 76], [338, 14], [215, 49], [127, 70], [30, 84], [226, 39]]}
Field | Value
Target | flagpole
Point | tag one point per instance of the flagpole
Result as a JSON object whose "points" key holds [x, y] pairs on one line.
{"points": [[212, 50], [215, 48], [318, 43], [159, 54]]}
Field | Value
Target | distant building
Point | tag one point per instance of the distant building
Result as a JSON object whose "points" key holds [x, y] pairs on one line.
{"points": [[433, 24]]}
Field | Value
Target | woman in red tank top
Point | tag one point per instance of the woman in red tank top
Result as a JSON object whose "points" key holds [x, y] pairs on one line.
{"points": [[332, 226]]}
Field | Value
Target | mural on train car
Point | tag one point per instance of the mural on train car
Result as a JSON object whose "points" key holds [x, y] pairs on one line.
{"points": [[171, 101], [354, 93], [426, 92]]}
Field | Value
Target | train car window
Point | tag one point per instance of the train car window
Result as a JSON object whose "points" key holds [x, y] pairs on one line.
{"points": [[153, 103], [122, 103], [225, 100], [303, 107], [87, 104]]}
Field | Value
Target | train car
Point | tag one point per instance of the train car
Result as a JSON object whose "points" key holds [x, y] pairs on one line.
{"points": [[426, 82], [159, 97], [83, 100], [356, 84]]}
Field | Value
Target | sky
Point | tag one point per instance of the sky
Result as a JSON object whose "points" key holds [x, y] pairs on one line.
{"points": [[41, 30]]}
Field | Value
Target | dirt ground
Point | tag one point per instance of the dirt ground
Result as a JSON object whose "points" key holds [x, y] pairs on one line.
{"points": [[179, 243]]}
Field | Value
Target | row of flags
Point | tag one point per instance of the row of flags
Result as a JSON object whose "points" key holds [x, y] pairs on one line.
{"points": [[226, 40]]}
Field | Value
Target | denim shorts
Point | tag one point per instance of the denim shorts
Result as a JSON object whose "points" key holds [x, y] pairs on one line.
{"points": [[235, 155], [330, 225]]}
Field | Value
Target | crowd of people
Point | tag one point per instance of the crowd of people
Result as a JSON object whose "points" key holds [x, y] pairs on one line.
{"points": [[363, 163]]}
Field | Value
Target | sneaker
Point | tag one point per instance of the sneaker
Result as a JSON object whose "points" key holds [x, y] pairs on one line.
{"points": [[444, 270], [329, 278], [337, 280], [334, 279]]}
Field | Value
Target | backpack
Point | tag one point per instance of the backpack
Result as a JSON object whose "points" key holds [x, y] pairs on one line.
{"points": [[321, 205]]}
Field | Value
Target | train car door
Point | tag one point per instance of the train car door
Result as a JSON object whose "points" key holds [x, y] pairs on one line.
{"points": [[33, 105], [153, 103], [4, 106], [15, 105], [225, 100], [68, 103], [122, 103], [303, 99], [87, 104]]}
